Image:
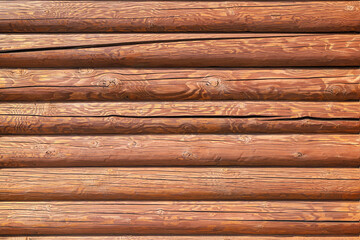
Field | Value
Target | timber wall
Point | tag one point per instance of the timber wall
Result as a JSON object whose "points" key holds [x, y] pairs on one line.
{"points": [[179, 120]]}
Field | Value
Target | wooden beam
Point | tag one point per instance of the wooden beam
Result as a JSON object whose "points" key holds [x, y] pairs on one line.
{"points": [[43, 184], [179, 84], [183, 16], [181, 150], [179, 50], [198, 218], [179, 117]]}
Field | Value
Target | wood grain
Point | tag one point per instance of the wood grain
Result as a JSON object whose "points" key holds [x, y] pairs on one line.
{"points": [[181, 150], [174, 16], [179, 117], [179, 50], [179, 84], [45, 184], [213, 218]]}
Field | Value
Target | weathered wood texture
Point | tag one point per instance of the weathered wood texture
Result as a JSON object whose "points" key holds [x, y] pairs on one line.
{"points": [[179, 117], [214, 218], [187, 16], [132, 237], [179, 50], [179, 84], [181, 150], [42, 184]]}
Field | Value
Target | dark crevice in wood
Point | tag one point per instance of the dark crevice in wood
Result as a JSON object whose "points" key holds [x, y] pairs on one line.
{"points": [[280, 78], [232, 7], [276, 117], [129, 116], [145, 42], [57, 86], [314, 118]]}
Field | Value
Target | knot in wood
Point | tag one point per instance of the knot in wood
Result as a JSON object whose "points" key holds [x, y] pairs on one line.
{"points": [[349, 8], [108, 81], [95, 144], [186, 155], [160, 211], [335, 89], [212, 81], [299, 154], [132, 144], [245, 139]]}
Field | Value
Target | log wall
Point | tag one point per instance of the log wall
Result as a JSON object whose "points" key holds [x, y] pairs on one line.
{"points": [[179, 120]]}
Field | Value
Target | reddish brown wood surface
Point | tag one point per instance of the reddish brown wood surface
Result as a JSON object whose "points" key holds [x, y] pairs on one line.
{"points": [[179, 117], [179, 84], [214, 218], [145, 103], [180, 50], [42, 184], [181, 150], [173, 16]]}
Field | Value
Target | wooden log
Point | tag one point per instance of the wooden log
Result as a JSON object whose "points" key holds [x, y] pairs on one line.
{"points": [[132, 237], [174, 16], [47, 184], [179, 117], [179, 50], [179, 84], [198, 218], [181, 150]]}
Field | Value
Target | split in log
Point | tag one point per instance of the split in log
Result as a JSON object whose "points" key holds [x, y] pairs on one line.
{"points": [[179, 117], [179, 50], [197, 218], [175, 16], [181, 150], [47, 184], [179, 84]]}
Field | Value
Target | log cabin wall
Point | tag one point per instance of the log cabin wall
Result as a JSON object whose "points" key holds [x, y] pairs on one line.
{"points": [[179, 120]]}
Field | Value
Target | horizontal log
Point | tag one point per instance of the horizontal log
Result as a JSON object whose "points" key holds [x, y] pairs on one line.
{"points": [[209, 218], [179, 50], [46, 184], [179, 84], [186, 16], [181, 150], [179, 117], [152, 237]]}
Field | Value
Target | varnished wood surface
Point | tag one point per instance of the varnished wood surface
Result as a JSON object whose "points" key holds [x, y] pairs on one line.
{"points": [[214, 218], [181, 150], [179, 117], [174, 16], [42, 184], [179, 50], [179, 84], [237, 113]]}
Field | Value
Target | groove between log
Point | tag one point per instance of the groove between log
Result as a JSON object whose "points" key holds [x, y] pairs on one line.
{"points": [[132, 237]]}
